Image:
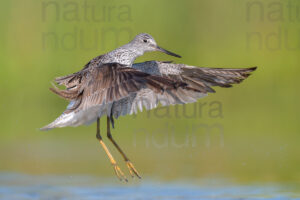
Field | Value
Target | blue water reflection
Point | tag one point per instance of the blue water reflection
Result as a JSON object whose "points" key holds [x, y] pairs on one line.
{"points": [[27, 187]]}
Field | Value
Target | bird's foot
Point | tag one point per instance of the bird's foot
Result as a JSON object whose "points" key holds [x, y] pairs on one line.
{"points": [[132, 169], [119, 173]]}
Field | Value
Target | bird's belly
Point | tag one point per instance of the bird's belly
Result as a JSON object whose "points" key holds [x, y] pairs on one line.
{"points": [[88, 116]]}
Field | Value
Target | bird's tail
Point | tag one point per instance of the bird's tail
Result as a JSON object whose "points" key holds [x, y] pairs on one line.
{"points": [[63, 120]]}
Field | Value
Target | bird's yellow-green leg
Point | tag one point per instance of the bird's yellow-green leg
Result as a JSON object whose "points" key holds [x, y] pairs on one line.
{"points": [[129, 164], [117, 169]]}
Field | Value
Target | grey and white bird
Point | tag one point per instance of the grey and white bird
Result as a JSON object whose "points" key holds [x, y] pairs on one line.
{"points": [[111, 85]]}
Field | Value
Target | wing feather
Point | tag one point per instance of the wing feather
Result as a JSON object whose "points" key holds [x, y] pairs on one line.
{"points": [[198, 80], [111, 82]]}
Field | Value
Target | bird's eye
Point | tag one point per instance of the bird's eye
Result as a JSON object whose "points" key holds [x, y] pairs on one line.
{"points": [[145, 41]]}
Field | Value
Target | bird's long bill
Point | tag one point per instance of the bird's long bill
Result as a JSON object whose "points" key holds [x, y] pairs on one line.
{"points": [[167, 52]]}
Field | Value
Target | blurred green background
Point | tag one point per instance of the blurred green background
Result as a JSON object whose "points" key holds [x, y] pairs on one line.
{"points": [[255, 135]]}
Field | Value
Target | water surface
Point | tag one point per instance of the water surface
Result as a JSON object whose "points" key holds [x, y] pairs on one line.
{"points": [[28, 187]]}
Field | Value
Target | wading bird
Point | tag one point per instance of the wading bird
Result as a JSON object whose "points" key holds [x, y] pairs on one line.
{"points": [[111, 85]]}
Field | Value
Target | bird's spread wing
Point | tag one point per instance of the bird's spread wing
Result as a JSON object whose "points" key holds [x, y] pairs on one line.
{"points": [[111, 88], [199, 78], [111, 82]]}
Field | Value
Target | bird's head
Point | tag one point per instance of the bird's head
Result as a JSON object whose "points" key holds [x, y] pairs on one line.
{"points": [[146, 43]]}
